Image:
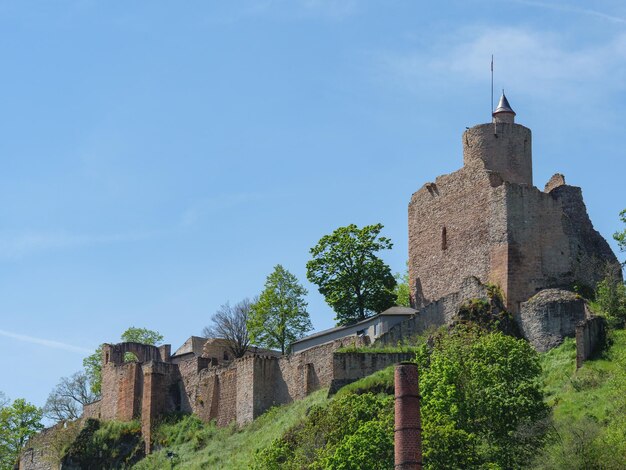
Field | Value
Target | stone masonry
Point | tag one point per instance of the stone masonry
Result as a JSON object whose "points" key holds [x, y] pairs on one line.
{"points": [[488, 221], [152, 382]]}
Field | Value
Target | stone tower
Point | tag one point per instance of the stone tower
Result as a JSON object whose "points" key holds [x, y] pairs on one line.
{"points": [[502, 146], [487, 220]]}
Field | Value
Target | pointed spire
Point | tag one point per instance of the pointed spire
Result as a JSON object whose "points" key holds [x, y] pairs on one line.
{"points": [[503, 106]]}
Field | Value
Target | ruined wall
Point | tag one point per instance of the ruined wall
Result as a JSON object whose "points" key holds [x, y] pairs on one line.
{"points": [[214, 396], [121, 391], [457, 229], [245, 405], [92, 410], [590, 338], [351, 366], [511, 235], [39, 452], [487, 220], [434, 314], [552, 243]]}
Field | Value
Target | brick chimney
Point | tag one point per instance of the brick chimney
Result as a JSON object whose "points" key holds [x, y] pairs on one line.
{"points": [[407, 430]]}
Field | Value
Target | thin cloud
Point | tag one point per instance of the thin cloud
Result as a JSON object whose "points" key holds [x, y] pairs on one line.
{"points": [[573, 9], [45, 342], [530, 61]]}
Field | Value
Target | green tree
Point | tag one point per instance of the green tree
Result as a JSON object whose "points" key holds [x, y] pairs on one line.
{"points": [[620, 237], [353, 280], [482, 400], [93, 369], [611, 299], [18, 423], [142, 335], [279, 317], [402, 291], [93, 362]]}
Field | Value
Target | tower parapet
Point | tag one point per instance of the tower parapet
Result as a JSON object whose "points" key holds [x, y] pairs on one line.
{"points": [[501, 146]]}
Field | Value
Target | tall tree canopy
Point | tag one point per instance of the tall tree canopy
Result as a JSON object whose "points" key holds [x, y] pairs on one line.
{"points": [[279, 317], [231, 324], [354, 281], [18, 423]]}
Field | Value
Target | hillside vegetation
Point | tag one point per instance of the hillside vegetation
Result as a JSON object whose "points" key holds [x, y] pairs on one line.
{"points": [[489, 401]]}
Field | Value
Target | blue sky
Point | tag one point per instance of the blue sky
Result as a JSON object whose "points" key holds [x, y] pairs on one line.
{"points": [[159, 158]]}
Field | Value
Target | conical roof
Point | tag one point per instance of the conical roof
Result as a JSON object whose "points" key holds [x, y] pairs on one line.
{"points": [[504, 106]]}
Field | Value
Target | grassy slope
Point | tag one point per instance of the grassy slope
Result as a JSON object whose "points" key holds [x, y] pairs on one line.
{"points": [[587, 392], [589, 408], [207, 446]]}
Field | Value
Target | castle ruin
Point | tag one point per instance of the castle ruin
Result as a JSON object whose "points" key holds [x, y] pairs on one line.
{"points": [[489, 222], [480, 228]]}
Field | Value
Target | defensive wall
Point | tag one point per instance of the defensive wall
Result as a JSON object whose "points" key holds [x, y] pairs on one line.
{"points": [[150, 385]]}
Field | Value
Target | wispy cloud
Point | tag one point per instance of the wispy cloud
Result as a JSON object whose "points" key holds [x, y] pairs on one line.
{"points": [[573, 9], [15, 245], [530, 61], [205, 207], [45, 342]]}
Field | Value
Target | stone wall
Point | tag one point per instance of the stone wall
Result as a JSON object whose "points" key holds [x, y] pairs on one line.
{"points": [[457, 226], [121, 391], [92, 410], [551, 243], [590, 338], [349, 367], [38, 453], [550, 316], [434, 314]]}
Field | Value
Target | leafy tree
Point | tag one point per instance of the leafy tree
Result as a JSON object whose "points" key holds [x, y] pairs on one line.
{"points": [[142, 335], [402, 291], [611, 299], [620, 237], [482, 400], [351, 432], [66, 401], [18, 423], [93, 369], [93, 362], [279, 317], [231, 323], [353, 280]]}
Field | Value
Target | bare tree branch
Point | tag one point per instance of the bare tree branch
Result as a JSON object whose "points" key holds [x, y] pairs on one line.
{"points": [[231, 324], [67, 399]]}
